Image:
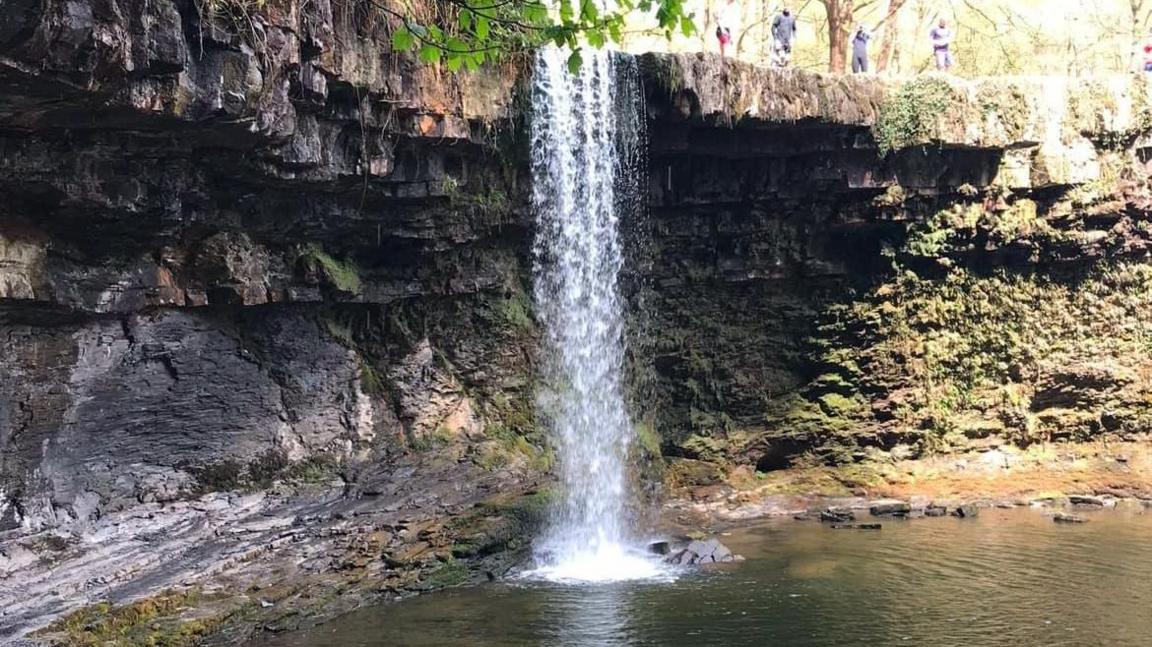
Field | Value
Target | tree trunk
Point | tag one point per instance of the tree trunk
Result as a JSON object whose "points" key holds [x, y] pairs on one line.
{"points": [[839, 31], [888, 36]]}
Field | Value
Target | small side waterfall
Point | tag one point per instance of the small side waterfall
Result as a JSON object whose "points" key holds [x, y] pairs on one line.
{"points": [[583, 127]]}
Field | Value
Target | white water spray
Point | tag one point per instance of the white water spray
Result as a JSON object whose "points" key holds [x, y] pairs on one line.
{"points": [[580, 126]]}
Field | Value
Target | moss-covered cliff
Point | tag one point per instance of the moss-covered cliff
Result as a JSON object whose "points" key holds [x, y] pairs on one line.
{"points": [[853, 272]]}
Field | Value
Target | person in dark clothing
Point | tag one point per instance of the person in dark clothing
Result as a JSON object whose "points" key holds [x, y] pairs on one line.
{"points": [[860, 50], [783, 29]]}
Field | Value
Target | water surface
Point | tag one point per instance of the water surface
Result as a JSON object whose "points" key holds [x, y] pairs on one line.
{"points": [[1009, 577]]}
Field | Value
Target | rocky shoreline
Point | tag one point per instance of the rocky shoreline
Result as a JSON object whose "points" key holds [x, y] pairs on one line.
{"points": [[1050, 475]]}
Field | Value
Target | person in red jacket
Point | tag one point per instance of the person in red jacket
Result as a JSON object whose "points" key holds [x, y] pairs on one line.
{"points": [[1148, 53]]}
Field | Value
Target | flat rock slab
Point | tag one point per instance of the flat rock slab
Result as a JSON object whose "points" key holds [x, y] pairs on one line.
{"points": [[699, 552]]}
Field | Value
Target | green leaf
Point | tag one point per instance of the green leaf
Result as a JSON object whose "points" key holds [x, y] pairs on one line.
{"points": [[566, 11], [465, 18], [534, 12], [687, 27], [430, 54], [482, 28], [402, 40], [595, 38], [456, 45], [575, 61], [455, 61], [589, 12]]}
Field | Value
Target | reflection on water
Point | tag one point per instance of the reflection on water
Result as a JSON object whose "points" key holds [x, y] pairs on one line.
{"points": [[1005, 578]]}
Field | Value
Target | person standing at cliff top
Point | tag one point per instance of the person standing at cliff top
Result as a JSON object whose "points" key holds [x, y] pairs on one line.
{"points": [[860, 50], [1147, 48], [783, 29], [725, 20], [942, 46]]}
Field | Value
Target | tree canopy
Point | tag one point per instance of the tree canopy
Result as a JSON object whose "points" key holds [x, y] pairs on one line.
{"points": [[465, 34]]}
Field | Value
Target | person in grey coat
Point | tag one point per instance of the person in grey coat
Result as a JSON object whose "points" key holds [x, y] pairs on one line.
{"points": [[783, 29], [860, 50]]}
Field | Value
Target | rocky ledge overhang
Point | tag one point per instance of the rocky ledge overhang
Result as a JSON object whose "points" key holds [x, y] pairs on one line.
{"points": [[162, 154], [1050, 129]]}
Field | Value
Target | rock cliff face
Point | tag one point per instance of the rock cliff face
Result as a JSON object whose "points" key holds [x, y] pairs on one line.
{"points": [[166, 169], [263, 294], [846, 267], [262, 286]]}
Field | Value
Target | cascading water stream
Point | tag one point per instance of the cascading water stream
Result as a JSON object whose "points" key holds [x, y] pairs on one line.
{"points": [[582, 127]]}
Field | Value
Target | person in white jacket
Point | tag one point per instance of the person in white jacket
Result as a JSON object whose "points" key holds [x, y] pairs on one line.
{"points": [[942, 46]]}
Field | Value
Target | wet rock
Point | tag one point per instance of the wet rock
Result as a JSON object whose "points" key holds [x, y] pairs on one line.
{"points": [[1063, 517], [837, 515], [698, 552], [1086, 500], [660, 547], [966, 511], [899, 509], [935, 511], [855, 526]]}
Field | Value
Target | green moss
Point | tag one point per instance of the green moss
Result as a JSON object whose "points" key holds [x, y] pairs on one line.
{"points": [[911, 115], [962, 354], [1004, 104], [686, 472], [341, 275], [260, 472], [648, 439], [451, 573], [707, 448], [501, 523], [340, 330], [510, 446], [221, 476], [961, 226], [515, 309], [370, 381], [144, 623]]}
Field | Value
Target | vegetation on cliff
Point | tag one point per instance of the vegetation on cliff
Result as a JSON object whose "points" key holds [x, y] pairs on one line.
{"points": [[467, 33]]}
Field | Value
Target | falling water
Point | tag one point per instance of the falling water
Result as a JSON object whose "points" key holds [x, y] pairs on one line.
{"points": [[585, 129]]}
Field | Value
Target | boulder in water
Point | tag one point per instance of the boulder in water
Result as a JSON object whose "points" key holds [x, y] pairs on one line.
{"points": [[707, 551], [935, 511], [856, 526], [965, 511], [1061, 517], [899, 509], [837, 515], [1086, 500]]}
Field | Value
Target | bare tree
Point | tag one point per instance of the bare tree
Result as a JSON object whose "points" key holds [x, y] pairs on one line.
{"points": [[888, 35], [1141, 11]]}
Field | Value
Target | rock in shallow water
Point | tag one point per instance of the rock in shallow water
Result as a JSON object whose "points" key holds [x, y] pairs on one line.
{"points": [[837, 515], [935, 511], [1061, 517], [890, 509], [697, 552], [966, 511]]}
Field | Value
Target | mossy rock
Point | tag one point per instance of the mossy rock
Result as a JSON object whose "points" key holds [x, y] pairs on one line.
{"points": [[340, 275], [686, 472], [913, 114]]}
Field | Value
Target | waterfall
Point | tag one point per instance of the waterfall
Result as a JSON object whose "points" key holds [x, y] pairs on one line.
{"points": [[585, 129]]}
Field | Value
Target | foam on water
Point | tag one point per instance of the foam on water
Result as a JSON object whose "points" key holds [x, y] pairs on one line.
{"points": [[582, 127]]}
